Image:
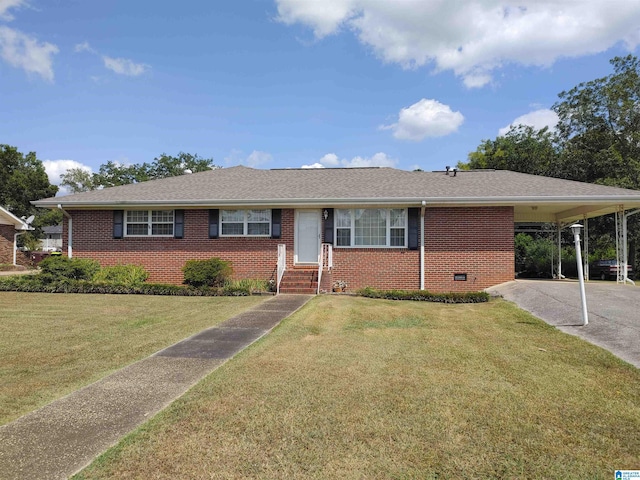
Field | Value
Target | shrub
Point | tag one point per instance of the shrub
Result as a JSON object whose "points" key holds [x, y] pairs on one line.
{"points": [[129, 275], [425, 296], [250, 284], [33, 283], [57, 267], [206, 273]]}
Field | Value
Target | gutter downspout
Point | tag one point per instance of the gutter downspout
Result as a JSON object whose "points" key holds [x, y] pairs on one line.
{"points": [[422, 209], [69, 233], [15, 246]]}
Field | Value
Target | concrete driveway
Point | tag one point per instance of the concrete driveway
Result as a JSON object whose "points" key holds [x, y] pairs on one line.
{"points": [[614, 311]]}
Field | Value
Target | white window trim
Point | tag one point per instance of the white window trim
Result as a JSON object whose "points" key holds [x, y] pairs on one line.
{"points": [[352, 229], [245, 227], [150, 224]]}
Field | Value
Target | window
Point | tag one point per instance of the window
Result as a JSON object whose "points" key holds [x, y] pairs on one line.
{"points": [[371, 227], [157, 223], [252, 223]]}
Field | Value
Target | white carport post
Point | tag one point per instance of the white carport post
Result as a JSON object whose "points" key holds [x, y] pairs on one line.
{"points": [[559, 251], [586, 249], [575, 228], [626, 246]]}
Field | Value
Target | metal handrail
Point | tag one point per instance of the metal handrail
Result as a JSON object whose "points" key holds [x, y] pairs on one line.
{"points": [[282, 264], [325, 259]]}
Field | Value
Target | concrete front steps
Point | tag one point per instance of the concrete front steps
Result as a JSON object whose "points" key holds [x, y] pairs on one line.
{"points": [[300, 280]]}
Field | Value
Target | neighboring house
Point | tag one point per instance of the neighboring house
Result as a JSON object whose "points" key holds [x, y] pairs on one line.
{"points": [[379, 227], [10, 228], [52, 240]]}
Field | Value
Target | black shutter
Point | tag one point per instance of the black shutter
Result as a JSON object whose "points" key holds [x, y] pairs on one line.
{"points": [[118, 223], [276, 223], [214, 215], [414, 228], [178, 224], [328, 226]]}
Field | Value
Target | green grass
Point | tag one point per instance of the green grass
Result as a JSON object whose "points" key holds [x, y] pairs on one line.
{"points": [[53, 344], [357, 388]]}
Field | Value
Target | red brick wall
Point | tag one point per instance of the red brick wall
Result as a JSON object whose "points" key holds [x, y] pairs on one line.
{"points": [[477, 241], [6, 243], [6, 247], [164, 257], [384, 268]]}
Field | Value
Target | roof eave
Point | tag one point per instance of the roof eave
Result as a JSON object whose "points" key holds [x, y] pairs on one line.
{"points": [[295, 202]]}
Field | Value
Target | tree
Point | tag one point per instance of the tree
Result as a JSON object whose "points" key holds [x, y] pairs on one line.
{"points": [[168, 166], [112, 174], [600, 127], [523, 149], [77, 180], [22, 179]]}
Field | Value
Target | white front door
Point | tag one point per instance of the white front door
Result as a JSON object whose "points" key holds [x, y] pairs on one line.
{"points": [[307, 240]]}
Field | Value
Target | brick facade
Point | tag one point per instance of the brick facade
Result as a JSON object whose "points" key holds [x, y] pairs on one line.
{"points": [[164, 257], [477, 241], [6, 243], [6, 247]]}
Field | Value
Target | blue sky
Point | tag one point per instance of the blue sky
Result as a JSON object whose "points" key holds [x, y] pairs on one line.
{"points": [[292, 83]]}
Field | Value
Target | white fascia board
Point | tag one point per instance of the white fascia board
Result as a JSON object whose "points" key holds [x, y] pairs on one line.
{"points": [[322, 202], [18, 223]]}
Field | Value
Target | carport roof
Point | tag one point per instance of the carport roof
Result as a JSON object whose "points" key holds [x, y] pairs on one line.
{"points": [[534, 198]]}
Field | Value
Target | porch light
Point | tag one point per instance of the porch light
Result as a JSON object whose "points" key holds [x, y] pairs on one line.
{"points": [[325, 214], [575, 228]]}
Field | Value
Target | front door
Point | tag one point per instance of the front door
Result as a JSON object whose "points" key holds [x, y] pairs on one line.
{"points": [[307, 241]]}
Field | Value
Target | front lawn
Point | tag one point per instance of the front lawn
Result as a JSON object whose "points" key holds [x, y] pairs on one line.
{"points": [[53, 344], [359, 388]]}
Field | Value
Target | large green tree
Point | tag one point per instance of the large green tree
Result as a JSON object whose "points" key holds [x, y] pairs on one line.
{"points": [[600, 127], [22, 179], [597, 140], [523, 149], [112, 174]]}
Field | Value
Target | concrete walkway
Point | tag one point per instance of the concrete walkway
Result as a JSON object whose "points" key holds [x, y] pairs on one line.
{"points": [[614, 311], [63, 437]]}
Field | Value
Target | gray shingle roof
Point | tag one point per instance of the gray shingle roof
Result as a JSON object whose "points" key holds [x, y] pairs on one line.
{"points": [[245, 186]]}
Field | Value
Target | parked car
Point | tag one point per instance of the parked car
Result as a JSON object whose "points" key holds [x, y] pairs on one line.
{"points": [[607, 269]]}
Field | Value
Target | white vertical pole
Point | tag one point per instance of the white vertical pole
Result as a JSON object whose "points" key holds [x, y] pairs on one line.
{"points": [[586, 248], [583, 296], [70, 239], [422, 245], [559, 251], [625, 254]]}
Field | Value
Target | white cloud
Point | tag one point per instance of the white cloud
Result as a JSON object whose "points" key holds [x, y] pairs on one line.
{"points": [[426, 118], [23, 51], [253, 160], [5, 5], [55, 168], [84, 47], [314, 165], [379, 159], [257, 157], [537, 119], [124, 66], [473, 38], [330, 159]]}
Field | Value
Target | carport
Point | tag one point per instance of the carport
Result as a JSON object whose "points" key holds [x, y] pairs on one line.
{"points": [[563, 212]]}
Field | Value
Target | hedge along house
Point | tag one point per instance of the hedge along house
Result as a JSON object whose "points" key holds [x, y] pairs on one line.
{"points": [[308, 228], [10, 228]]}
